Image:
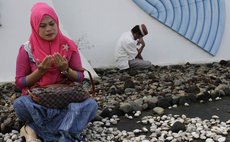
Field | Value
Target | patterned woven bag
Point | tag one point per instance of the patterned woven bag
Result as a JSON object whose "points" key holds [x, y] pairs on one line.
{"points": [[59, 96]]}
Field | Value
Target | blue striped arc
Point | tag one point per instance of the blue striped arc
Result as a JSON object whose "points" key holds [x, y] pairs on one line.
{"points": [[200, 21]]}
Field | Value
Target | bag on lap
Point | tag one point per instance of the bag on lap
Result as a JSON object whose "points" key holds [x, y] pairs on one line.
{"points": [[59, 96]]}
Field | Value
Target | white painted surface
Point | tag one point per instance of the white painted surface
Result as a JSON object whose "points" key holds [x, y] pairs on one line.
{"points": [[103, 21], [100, 23]]}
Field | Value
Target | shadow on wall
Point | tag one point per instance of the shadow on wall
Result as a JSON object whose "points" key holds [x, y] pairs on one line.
{"points": [[83, 43], [0, 20]]}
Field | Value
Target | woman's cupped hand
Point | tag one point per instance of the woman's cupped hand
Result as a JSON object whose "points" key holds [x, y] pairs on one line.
{"points": [[61, 63]]}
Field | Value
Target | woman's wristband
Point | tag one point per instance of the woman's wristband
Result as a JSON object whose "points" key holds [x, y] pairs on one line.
{"points": [[65, 72]]}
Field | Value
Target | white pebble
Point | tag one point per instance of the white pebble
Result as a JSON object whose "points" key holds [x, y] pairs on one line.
{"points": [[221, 139], [145, 129], [174, 106], [209, 140], [186, 104]]}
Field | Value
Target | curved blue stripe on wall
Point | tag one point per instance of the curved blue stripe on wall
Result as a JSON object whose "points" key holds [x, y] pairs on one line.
{"points": [[192, 20], [185, 17], [177, 15], [170, 12], [200, 21]]}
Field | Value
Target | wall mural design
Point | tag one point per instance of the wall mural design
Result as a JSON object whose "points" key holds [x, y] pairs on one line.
{"points": [[200, 21]]}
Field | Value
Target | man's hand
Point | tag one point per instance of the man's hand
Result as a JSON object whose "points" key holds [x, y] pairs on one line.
{"points": [[139, 56], [139, 50], [141, 42]]}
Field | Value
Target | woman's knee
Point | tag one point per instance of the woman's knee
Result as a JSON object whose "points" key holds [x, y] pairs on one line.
{"points": [[18, 104], [89, 104], [93, 104], [20, 109]]}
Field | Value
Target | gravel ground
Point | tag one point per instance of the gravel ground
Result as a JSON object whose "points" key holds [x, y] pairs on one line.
{"points": [[187, 102]]}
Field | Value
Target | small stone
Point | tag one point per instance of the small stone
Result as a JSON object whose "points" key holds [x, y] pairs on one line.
{"points": [[178, 126], [14, 137], [136, 131], [186, 104], [145, 129], [9, 140], [218, 98], [221, 139], [174, 106], [158, 110], [209, 140]]}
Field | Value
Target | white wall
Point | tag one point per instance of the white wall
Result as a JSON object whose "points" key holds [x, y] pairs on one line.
{"points": [[101, 22], [15, 29], [104, 20]]}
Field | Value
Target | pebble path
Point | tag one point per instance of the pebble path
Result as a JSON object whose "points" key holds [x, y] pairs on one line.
{"points": [[128, 95]]}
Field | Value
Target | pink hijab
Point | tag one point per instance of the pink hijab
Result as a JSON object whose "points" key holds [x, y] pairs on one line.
{"points": [[41, 48]]}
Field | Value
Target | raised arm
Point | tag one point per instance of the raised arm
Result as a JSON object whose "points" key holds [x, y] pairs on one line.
{"points": [[24, 75], [140, 42], [73, 69]]}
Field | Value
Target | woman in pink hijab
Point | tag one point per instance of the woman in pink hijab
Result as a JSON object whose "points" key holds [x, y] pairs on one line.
{"points": [[49, 58]]}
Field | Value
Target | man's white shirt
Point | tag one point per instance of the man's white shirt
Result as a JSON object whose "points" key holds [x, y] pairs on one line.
{"points": [[125, 50]]}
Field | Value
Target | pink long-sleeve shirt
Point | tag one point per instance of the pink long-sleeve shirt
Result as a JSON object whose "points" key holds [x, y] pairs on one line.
{"points": [[26, 65]]}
